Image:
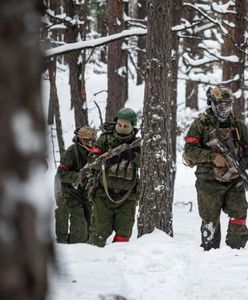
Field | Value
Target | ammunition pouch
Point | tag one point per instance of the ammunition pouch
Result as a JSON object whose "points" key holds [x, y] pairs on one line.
{"points": [[120, 176]]}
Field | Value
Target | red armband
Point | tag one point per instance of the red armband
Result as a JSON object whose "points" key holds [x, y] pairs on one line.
{"points": [[64, 167], [96, 150], [193, 140], [237, 221]]}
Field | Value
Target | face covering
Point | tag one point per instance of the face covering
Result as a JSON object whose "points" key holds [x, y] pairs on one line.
{"points": [[123, 127], [221, 109]]}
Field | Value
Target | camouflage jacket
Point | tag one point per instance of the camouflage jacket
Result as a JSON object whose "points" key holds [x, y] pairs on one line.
{"points": [[202, 131], [72, 160], [121, 172]]}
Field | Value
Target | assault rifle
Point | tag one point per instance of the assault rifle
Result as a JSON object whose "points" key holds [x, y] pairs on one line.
{"points": [[111, 153], [231, 157]]}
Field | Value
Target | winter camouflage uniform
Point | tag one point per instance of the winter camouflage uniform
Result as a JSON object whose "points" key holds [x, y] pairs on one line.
{"points": [[74, 209], [111, 211], [213, 192]]}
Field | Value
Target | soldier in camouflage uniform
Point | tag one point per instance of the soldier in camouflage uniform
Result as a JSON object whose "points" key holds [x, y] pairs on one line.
{"points": [[218, 184], [114, 199], [73, 213]]}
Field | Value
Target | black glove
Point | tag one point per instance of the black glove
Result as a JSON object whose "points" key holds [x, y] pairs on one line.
{"points": [[109, 162], [243, 163], [128, 154]]}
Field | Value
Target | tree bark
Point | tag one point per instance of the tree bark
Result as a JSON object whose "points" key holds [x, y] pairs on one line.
{"points": [[155, 209], [190, 45], [102, 27], [230, 69], [141, 12], [54, 112], [76, 71], [24, 236], [176, 20], [117, 62]]}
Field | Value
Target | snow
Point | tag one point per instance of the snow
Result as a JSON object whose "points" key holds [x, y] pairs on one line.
{"points": [[95, 42], [154, 266], [223, 8]]}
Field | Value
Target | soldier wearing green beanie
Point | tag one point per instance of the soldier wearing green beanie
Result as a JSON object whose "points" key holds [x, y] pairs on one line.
{"points": [[115, 184]]}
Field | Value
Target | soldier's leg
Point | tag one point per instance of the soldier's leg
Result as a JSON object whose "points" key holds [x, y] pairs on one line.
{"points": [[209, 197], [87, 212], [124, 221], [101, 223], [61, 221], [236, 207], [78, 225]]}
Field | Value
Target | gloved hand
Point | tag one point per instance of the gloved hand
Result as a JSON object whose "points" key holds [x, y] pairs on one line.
{"points": [[243, 163], [128, 154], [112, 161], [220, 161]]}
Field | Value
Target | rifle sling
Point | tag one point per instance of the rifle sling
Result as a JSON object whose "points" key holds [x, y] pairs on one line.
{"points": [[105, 185]]}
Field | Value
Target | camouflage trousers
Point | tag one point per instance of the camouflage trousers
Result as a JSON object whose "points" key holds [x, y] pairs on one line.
{"points": [[108, 217], [72, 224], [213, 197]]}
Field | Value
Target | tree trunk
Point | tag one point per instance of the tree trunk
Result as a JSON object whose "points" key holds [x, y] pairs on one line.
{"points": [[190, 45], [176, 20], [54, 106], [25, 236], [230, 69], [155, 209], [141, 12], [192, 94], [102, 27], [240, 40], [78, 95], [117, 62]]}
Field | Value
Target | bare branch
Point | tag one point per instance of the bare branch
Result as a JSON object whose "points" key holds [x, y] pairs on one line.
{"points": [[100, 114], [208, 82], [70, 47], [222, 28]]}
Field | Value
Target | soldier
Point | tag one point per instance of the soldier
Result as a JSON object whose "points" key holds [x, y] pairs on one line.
{"points": [[219, 186], [113, 186], [74, 209]]}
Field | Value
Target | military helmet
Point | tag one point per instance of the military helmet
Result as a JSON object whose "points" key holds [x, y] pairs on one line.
{"points": [[86, 133], [220, 94], [127, 114]]}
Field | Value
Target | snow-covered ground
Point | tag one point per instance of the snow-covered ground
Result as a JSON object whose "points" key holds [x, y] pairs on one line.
{"points": [[155, 266]]}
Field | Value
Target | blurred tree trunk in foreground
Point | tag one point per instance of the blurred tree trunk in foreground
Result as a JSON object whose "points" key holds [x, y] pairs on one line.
{"points": [[24, 233]]}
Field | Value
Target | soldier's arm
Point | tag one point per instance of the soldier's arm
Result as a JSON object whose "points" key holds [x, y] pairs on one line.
{"points": [[66, 168], [244, 142], [98, 149], [136, 159], [194, 149]]}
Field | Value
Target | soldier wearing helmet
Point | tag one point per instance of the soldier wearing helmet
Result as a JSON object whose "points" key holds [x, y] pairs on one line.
{"points": [[115, 182], [219, 186], [73, 213]]}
